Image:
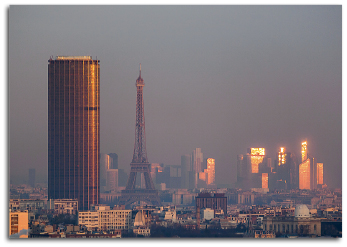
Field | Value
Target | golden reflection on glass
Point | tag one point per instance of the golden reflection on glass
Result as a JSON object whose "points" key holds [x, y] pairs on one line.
{"points": [[265, 180], [257, 156], [303, 151], [304, 175], [319, 173], [211, 166], [282, 156]]}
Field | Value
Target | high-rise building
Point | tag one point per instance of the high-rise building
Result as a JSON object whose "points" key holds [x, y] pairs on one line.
{"points": [[32, 177], [211, 170], [304, 169], [105, 164], [282, 156], [185, 168], [265, 180], [244, 170], [113, 160], [257, 156], [74, 129], [303, 151], [304, 175], [112, 179], [319, 173], [197, 159]]}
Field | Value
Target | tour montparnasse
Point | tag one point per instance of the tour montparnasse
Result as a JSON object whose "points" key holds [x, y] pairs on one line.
{"points": [[139, 163]]}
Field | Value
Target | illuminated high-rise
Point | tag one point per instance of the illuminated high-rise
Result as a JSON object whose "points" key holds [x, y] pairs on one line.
{"points": [[282, 156], [257, 156], [304, 169], [319, 173], [211, 170], [304, 175], [265, 180], [74, 129], [303, 151]]}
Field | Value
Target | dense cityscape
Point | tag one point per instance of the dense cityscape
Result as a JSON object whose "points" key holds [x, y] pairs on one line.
{"points": [[278, 195]]}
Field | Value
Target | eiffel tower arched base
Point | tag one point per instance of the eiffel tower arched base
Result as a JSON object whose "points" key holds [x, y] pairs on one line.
{"points": [[130, 196]]}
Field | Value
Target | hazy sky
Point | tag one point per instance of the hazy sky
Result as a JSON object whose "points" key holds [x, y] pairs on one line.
{"points": [[221, 78]]}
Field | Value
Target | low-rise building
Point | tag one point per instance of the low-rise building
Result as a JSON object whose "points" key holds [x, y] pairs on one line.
{"points": [[106, 219], [301, 224], [63, 206]]}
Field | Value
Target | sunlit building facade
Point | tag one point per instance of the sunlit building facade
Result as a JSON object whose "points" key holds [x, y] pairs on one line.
{"points": [[257, 156], [265, 180], [319, 173], [304, 175], [282, 156], [74, 129], [18, 224], [211, 170], [304, 151]]}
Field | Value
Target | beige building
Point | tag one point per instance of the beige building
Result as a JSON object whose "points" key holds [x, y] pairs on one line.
{"points": [[18, 224], [302, 223], [63, 206], [104, 218]]}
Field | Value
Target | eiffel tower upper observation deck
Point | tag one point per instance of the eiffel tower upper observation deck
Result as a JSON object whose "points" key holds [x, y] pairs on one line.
{"points": [[139, 163]]}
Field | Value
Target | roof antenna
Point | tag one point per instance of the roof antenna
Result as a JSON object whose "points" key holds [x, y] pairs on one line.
{"points": [[140, 69]]}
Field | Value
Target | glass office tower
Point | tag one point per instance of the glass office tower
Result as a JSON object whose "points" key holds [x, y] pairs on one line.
{"points": [[74, 129]]}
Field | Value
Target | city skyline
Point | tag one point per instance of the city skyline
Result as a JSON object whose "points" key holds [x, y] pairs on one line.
{"points": [[210, 83]]}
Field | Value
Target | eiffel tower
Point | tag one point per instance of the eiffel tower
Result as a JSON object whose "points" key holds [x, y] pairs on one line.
{"points": [[139, 163]]}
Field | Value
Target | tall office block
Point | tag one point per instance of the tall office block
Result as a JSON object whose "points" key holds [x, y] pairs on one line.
{"points": [[303, 151], [211, 171], [265, 180], [282, 156], [244, 170], [112, 179], [74, 129], [304, 175], [257, 156], [105, 164], [319, 173], [197, 159], [113, 160], [185, 168], [304, 169]]}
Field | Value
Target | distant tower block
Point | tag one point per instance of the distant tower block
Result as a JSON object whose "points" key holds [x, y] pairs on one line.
{"points": [[319, 173], [74, 129], [140, 162]]}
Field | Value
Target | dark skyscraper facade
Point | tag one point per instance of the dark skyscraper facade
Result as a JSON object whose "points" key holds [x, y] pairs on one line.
{"points": [[74, 129]]}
